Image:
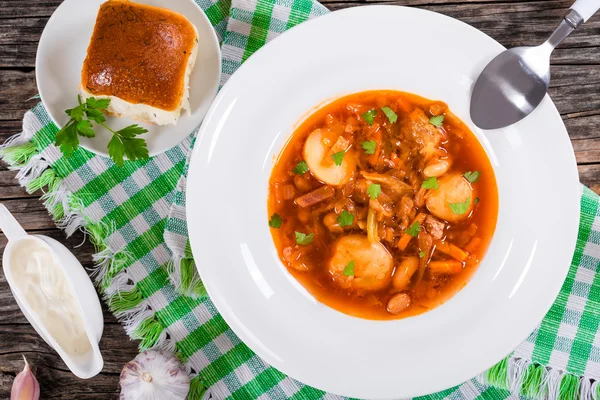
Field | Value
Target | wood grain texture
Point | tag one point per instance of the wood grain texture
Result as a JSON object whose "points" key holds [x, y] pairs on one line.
{"points": [[575, 85]]}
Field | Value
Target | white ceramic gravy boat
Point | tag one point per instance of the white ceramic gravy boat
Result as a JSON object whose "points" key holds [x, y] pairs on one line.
{"points": [[84, 365]]}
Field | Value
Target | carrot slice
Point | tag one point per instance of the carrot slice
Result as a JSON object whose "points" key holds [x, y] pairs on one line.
{"points": [[473, 245], [448, 267], [405, 238], [451, 250]]}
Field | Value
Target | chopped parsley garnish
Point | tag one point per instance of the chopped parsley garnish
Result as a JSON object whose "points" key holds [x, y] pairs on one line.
{"points": [[471, 176], [345, 219], [414, 229], [275, 221], [437, 120], [369, 116], [338, 157], [374, 190], [349, 269], [390, 114], [303, 239], [460, 208], [369, 147], [422, 254], [301, 168], [430, 183]]}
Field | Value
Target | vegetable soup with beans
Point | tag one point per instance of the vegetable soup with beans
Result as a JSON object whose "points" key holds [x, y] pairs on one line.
{"points": [[382, 204]]}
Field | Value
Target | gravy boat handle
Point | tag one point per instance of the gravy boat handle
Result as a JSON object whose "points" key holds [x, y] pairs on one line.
{"points": [[9, 225]]}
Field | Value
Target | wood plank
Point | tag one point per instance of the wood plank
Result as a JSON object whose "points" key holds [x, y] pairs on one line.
{"points": [[512, 23], [20, 55], [22, 9], [56, 381], [21, 30], [16, 90], [589, 175], [583, 126], [10, 188], [31, 213], [587, 151]]}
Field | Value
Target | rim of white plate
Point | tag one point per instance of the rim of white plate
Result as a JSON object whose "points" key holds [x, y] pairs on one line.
{"points": [[517, 281], [60, 56]]}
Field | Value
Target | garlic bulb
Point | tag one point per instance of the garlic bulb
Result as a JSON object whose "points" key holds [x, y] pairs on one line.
{"points": [[25, 386], [154, 375]]}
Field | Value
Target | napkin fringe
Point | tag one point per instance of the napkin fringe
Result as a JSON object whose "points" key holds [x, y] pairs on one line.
{"points": [[539, 382], [184, 275], [124, 299]]}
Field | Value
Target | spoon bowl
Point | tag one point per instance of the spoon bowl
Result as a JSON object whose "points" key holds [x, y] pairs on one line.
{"points": [[515, 82], [511, 86]]}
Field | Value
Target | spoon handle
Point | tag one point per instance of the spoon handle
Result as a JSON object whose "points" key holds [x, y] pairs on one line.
{"points": [[586, 8], [9, 225]]}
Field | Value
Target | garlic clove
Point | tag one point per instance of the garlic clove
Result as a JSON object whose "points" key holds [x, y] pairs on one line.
{"points": [[154, 375], [25, 386]]}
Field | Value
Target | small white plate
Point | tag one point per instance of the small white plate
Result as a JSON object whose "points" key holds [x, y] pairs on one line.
{"points": [[60, 56], [377, 47]]}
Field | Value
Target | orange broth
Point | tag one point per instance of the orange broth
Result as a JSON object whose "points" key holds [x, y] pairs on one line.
{"points": [[403, 151]]}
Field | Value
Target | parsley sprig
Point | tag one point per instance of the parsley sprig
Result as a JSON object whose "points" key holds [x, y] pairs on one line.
{"points": [[123, 143]]}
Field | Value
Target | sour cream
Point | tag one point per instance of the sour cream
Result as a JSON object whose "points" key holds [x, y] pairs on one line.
{"points": [[42, 284]]}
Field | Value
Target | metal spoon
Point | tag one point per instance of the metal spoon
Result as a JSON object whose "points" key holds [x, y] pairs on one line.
{"points": [[514, 83]]}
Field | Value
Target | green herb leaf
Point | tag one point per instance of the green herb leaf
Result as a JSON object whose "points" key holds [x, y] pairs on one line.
{"points": [[275, 221], [85, 128], [460, 208], [471, 176], [75, 113], [131, 131], [369, 116], [437, 120], [303, 239], [414, 229], [123, 143], [116, 150], [97, 104], [349, 269], [430, 183], [338, 157], [369, 146], [477, 200], [95, 115], [135, 149], [345, 219], [374, 190], [390, 114], [422, 254], [67, 139], [301, 168]]}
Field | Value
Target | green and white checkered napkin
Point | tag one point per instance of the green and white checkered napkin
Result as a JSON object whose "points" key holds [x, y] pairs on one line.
{"points": [[135, 216]]}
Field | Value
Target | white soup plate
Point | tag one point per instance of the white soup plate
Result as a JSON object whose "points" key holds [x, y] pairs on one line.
{"points": [[60, 57], [365, 48]]}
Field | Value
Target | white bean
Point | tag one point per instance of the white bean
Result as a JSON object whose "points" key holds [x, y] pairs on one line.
{"points": [[436, 169]]}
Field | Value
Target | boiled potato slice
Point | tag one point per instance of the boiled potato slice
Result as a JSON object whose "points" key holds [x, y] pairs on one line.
{"points": [[373, 264], [317, 155], [452, 189]]}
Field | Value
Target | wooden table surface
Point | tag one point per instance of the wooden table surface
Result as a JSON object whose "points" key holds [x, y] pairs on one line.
{"points": [[575, 90]]}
